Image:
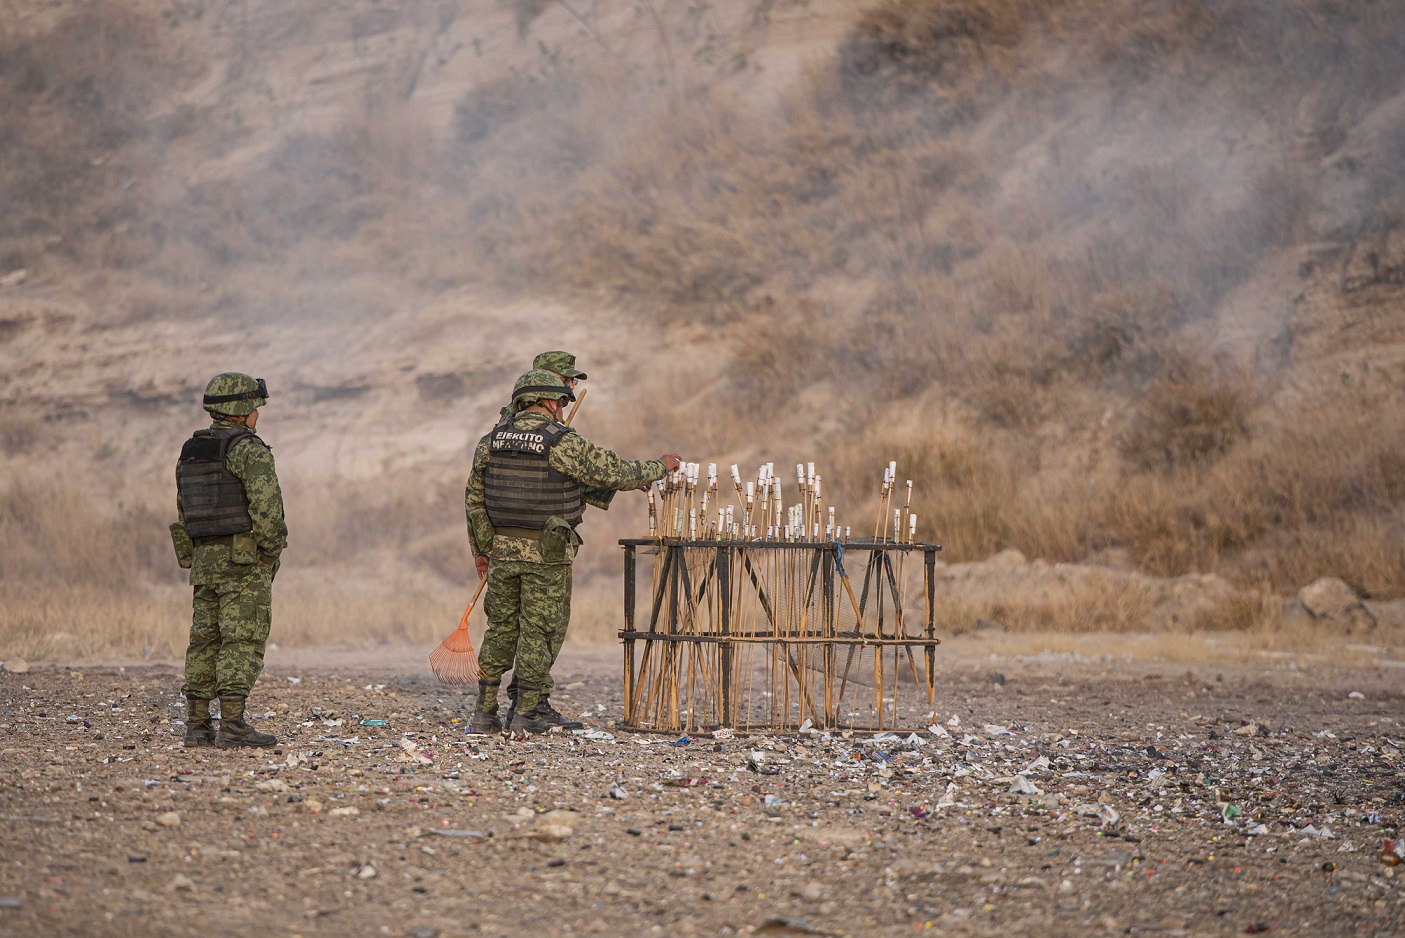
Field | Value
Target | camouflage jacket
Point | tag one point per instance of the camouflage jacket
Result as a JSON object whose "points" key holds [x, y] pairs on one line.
{"points": [[600, 472], [251, 461]]}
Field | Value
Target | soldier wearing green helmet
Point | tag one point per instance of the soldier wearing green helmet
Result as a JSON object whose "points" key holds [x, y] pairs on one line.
{"points": [[563, 364], [230, 535], [531, 481]]}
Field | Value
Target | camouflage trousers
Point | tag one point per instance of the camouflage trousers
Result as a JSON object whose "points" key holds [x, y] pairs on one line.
{"points": [[529, 608], [228, 630]]}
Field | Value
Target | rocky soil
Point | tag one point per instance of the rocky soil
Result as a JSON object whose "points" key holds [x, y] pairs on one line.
{"points": [[1060, 795]]}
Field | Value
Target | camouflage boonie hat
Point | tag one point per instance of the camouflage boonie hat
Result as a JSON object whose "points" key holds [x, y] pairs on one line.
{"points": [[235, 395], [563, 363], [539, 385]]}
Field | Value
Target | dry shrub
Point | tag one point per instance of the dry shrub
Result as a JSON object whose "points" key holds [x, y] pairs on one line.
{"points": [[947, 57], [1190, 416], [54, 533], [1316, 492]]}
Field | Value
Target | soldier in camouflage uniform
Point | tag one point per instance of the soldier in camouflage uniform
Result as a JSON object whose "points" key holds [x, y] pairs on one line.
{"points": [[562, 364], [532, 478], [230, 536]]}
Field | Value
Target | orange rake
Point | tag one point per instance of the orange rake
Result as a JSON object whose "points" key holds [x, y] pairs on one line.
{"points": [[454, 661]]}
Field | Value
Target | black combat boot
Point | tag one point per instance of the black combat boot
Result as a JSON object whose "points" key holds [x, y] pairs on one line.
{"points": [[547, 712], [199, 728], [234, 732], [527, 718], [484, 719]]}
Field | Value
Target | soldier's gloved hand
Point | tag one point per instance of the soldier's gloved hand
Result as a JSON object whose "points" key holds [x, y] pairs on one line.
{"points": [[671, 461], [482, 564]]}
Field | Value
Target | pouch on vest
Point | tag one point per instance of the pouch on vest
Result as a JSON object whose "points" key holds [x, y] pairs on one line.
{"points": [[482, 528], [558, 541], [243, 550], [185, 549]]}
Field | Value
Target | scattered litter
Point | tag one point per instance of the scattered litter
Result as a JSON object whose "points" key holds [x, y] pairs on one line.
{"points": [[1392, 852], [8, 903], [458, 834], [938, 732], [1356, 695], [1038, 765], [785, 925], [592, 733], [618, 793], [294, 680], [1258, 830], [683, 740], [772, 801], [373, 722], [685, 782], [954, 721], [1023, 786]]}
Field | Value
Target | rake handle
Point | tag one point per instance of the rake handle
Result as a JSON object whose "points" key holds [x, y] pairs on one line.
{"points": [[463, 623], [572, 415]]}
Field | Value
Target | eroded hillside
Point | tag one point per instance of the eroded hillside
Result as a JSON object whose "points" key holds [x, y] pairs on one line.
{"points": [[1112, 282]]}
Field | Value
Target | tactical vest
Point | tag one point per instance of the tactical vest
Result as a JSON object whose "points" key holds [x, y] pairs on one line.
{"points": [[521, 490], [212, 497]]}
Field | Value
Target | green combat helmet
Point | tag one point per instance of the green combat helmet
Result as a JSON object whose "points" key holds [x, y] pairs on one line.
{"points": [[235, 395], [563, 363], [539, 385]]}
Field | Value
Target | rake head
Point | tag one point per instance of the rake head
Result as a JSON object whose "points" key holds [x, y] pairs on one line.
{"points": [[454, 662]]}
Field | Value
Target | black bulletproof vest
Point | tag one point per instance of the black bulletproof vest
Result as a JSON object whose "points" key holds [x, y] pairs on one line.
{"points": [[521, 488], [213, 497]]}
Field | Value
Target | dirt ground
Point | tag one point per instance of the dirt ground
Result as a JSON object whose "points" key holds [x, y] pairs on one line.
{"points": [[1056, 796]]}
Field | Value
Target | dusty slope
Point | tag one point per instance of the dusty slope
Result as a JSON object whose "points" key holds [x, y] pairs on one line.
{"points": [[354, 202]]}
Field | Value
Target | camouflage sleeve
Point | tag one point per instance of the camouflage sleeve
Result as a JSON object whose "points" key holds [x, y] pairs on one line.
{"points": [[252, 462], [596, 467], [473, 493], [596, 497]]}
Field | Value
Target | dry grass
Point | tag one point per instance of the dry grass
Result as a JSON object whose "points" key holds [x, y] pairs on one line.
{"points": [[957, 226]]}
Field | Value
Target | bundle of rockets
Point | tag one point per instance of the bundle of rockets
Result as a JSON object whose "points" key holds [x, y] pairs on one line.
{"points": [[685, 506]]}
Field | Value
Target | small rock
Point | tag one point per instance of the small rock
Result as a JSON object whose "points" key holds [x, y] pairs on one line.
{"points": [[312, 805], [812, 891], [182, 883], [996, 677], [17, 666], [344, 812], [14, 278], [1331, 599], [169, 819], [367, 872], [424, 931], [551, 833], [989, 627], [1356, 695]]}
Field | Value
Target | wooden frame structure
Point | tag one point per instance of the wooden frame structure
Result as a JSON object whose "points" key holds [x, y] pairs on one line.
{"points": [[772, 635]]}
